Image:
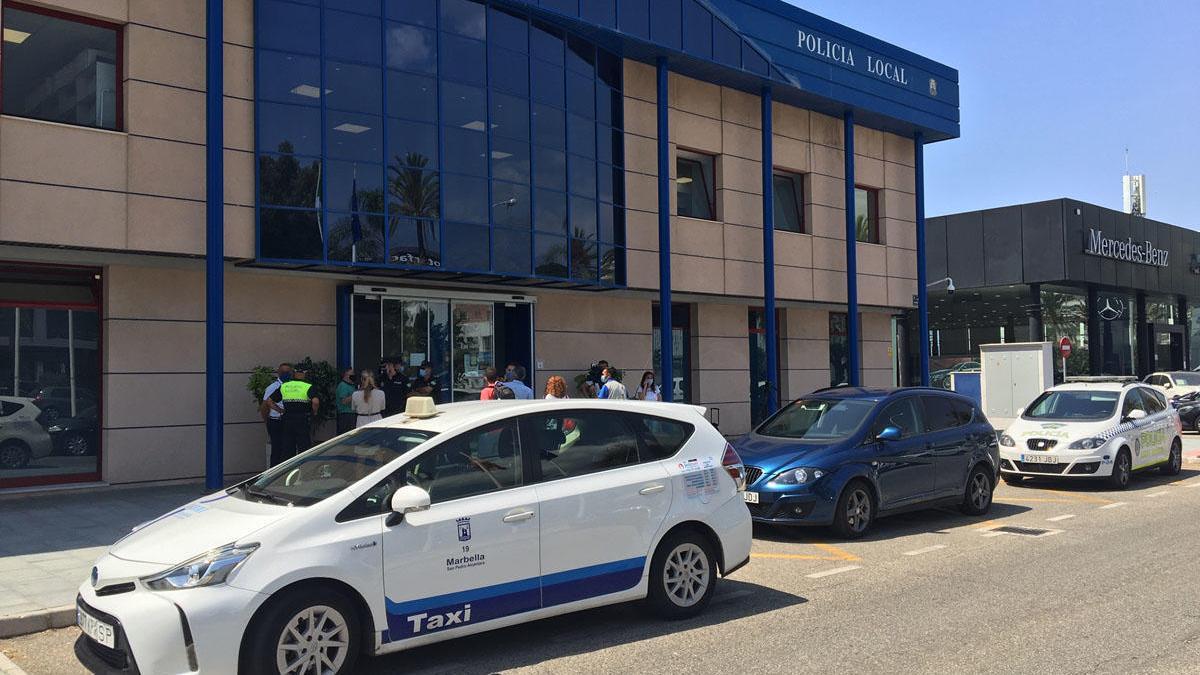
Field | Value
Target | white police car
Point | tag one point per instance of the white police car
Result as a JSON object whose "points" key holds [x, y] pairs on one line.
{"points": [[1093, 430], [424, 527]]}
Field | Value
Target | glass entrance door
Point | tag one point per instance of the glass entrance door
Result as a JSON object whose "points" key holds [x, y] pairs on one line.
{"points": [[459, 338], [1168, 347]]}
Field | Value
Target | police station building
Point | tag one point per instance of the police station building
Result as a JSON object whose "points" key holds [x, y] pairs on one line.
{"points": [[1124, 288], [466, 182]]}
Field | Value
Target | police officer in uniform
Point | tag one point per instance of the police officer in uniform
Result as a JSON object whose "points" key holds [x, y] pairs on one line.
{"points": [[298, 405]]}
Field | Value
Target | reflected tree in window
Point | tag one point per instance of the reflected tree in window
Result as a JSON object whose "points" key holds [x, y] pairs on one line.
{"points": [[415, 195], [358, 236], [285, 181]]}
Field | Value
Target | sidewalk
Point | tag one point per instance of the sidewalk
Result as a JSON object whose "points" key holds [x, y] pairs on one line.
{"points": [[49, 541]]}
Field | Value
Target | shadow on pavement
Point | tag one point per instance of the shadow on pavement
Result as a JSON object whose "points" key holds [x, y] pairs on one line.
{"points": [[938, 520], [578, 633], [1150, 479]]}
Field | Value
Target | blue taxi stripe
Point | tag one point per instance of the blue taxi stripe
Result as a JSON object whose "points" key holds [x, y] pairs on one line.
{"points": [[514, 597]]}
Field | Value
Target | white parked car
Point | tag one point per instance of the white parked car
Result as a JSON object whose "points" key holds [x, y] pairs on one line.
{"points": [[1093, 430], [1174, 384], [22, 436], [424, 527]]}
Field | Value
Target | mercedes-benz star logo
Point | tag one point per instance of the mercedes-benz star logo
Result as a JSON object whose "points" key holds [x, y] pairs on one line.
{"points": [[1113, 309]]}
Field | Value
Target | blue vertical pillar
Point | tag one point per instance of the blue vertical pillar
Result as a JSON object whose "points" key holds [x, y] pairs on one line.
{"points": [[214, 252], [664, 235], [922, 282], [852, 338], [768, 240]]}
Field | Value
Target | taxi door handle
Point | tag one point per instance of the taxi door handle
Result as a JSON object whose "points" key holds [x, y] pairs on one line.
{"points": [[652, 489], [517, 516]]}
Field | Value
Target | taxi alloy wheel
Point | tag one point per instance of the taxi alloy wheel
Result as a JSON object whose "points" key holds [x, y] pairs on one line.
{"points": [[686, 574], [315, 640], [683, 574]]}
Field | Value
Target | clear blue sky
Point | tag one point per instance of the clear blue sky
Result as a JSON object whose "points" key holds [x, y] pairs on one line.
{"points": [[1052, 91]]}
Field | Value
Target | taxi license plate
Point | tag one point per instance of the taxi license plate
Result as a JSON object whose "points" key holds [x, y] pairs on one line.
{"points": [[750, 497], [96, 629], [1039, 459]]}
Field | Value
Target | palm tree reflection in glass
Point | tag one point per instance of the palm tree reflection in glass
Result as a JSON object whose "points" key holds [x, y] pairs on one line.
{"points": [[415, 195]]}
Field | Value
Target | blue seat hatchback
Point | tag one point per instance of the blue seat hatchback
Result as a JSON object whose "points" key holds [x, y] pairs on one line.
{"points": [[845, 456]]}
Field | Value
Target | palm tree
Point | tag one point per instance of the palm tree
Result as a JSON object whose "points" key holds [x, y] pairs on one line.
{"points": [[416, 194]]}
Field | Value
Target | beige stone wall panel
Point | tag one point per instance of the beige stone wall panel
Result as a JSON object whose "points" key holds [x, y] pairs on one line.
{"points": [[695, 132], [790, 121], [161, 224], [61, 154], [160, 56], [164, 112], [49, 214], [166, 168], [740, 108], [741, 141], [696, 96], [743, 278], [697, 275], [793, 283], [641, 80]]}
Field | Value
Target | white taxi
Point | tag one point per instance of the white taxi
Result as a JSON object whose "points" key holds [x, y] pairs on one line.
{"points": [[1093, 430], [1174, 384], [422, 527]]}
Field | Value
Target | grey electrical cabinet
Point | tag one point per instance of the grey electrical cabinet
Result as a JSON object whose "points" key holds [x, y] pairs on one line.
{"points": [[1012, 375]]}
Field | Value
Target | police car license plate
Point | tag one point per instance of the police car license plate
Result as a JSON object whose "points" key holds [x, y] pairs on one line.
{"points": [[1039, 459], [750, 497], [96, 629]]}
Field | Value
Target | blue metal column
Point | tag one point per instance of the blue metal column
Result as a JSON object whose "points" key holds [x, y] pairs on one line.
{"points": [[922, 282], [664, 235], [852, 348], [768, 240], [214, 254]]}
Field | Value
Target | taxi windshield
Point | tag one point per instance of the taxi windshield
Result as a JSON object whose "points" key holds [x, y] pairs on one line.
{"points": [[1073, 405], [818, 419], [331, 467]]}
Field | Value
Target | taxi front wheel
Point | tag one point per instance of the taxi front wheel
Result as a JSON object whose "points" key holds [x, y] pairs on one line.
{"points": [[683, 573], [303, 631]]}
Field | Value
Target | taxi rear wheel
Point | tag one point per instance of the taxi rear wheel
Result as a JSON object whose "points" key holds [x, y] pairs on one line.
{"points": [[1174, 463], [683, 574], [304, 631], [1122, 471]]}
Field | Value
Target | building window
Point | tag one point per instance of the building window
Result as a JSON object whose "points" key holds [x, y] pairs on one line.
{"points": [[866, 215], [61, 68], [839, 349], [454, 136], [694, 185], [789, 201]]}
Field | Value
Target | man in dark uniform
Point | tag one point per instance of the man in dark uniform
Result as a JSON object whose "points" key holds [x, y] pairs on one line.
{"points": [[395, 387], [299, 405], [424, 384]]}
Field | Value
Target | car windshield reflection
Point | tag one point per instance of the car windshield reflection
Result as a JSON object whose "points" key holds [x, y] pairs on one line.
{"points": [[331, 467], [1073, 405], [820, 420]]}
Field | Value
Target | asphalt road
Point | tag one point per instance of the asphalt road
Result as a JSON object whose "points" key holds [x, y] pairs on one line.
{"points": [[1111, 588]]}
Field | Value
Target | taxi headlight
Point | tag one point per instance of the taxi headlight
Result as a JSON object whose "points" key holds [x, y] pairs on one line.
{"points": [[207, 569], [796, 477], [1007, 441], [1086, 444]]}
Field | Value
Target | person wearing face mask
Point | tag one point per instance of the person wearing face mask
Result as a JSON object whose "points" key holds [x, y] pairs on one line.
{"points": [[647, 390], [424, 384], [272, 413], [394, 385], [514, 379], [611, 387]]}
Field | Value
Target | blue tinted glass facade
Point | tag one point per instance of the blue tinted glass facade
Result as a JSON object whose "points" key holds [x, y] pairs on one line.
{"points": [[446, 135]]}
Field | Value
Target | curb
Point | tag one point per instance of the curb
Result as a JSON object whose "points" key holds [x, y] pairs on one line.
{"points": [[36, 622], [7, 667]]}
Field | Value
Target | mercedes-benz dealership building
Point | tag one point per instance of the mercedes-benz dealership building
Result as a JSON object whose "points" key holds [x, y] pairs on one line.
{"points": [[1123, 288], [469, 183]]}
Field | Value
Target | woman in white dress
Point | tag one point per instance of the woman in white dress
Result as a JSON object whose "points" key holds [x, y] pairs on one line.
{"points": [[368, 401]]}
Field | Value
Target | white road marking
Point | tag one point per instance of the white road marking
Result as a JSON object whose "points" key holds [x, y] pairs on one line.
{"points": [[994, 534], [1113, 505], [1067, 516], [1157, 494], [836, 570], [927, 549]]}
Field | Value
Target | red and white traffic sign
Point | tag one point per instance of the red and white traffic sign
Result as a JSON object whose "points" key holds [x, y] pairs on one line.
{"points": [[1064, 347]]}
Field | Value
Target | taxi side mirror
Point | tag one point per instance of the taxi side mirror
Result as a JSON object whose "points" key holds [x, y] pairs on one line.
{"points": [[408, 499]]}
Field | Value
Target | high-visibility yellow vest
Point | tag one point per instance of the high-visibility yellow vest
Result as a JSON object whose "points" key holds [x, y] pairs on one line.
{"points": [[296, 396]]}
